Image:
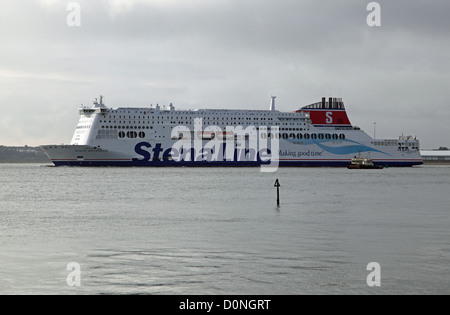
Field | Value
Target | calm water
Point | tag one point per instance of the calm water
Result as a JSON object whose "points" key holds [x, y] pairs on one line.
{"points": [[218, 231]]}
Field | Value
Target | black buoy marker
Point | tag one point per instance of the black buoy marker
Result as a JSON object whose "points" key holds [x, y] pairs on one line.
{"points": [[277, 185]]}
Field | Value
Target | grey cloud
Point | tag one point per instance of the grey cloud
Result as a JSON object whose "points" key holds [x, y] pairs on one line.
{"points": [[226, 53]]}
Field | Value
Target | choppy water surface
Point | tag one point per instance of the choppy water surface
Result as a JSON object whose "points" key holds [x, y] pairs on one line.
{"points": [[219, 231]]}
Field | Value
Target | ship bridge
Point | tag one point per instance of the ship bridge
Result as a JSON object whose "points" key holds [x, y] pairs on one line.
{"points": [[97, 108]]}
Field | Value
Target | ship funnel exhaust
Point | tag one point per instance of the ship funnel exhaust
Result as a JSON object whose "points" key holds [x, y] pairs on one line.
{"points": [[272, 103]]}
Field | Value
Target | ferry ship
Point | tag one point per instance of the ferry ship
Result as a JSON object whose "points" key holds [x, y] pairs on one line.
{"points": [[317, 135]]}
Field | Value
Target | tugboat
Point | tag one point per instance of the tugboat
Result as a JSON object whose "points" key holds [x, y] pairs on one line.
{"points": [[358, 163]]}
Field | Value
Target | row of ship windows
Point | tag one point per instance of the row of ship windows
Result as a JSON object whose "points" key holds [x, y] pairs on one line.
{"points": [[121, 134], [203, 113], [127, 127], [305, 136], [286, 129], [403, 149], [298, 136], [132, 134], [151, 127], [385, 143], [191, 123], [285, 136], [401, 146], [111, 135], [187, 118]]}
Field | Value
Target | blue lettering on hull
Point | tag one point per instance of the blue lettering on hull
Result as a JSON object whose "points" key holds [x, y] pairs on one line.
{"points": [[156, 156], [147, 153]]}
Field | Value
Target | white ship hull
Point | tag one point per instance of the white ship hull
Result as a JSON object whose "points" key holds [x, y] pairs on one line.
{"points": [[145, 137], [290, 155]]}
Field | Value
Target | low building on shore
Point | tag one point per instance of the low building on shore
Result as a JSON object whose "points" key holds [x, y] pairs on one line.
{"points": [[436, 156]]}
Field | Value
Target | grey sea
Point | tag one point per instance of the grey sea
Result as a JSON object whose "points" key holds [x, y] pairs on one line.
{"points": [[219, 231]]}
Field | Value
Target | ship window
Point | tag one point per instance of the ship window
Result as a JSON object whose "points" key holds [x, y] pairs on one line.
{"points": [[342, 137], [299, 136], [292, 136], [285, 136], [107, 134], [314, 136], [335, 137], [142, 134], [132, 134], [321, 136], [121, 134], [307, 136], [328, 136]]}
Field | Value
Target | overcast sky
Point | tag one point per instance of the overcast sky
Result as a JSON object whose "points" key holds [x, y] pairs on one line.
{"points": [[230, 54]]}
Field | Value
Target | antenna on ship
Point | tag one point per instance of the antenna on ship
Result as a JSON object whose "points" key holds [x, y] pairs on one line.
{"points": [[272, 103]]}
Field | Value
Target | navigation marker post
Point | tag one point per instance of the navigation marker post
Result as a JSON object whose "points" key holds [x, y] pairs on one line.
{"points": [[277, 185]]}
